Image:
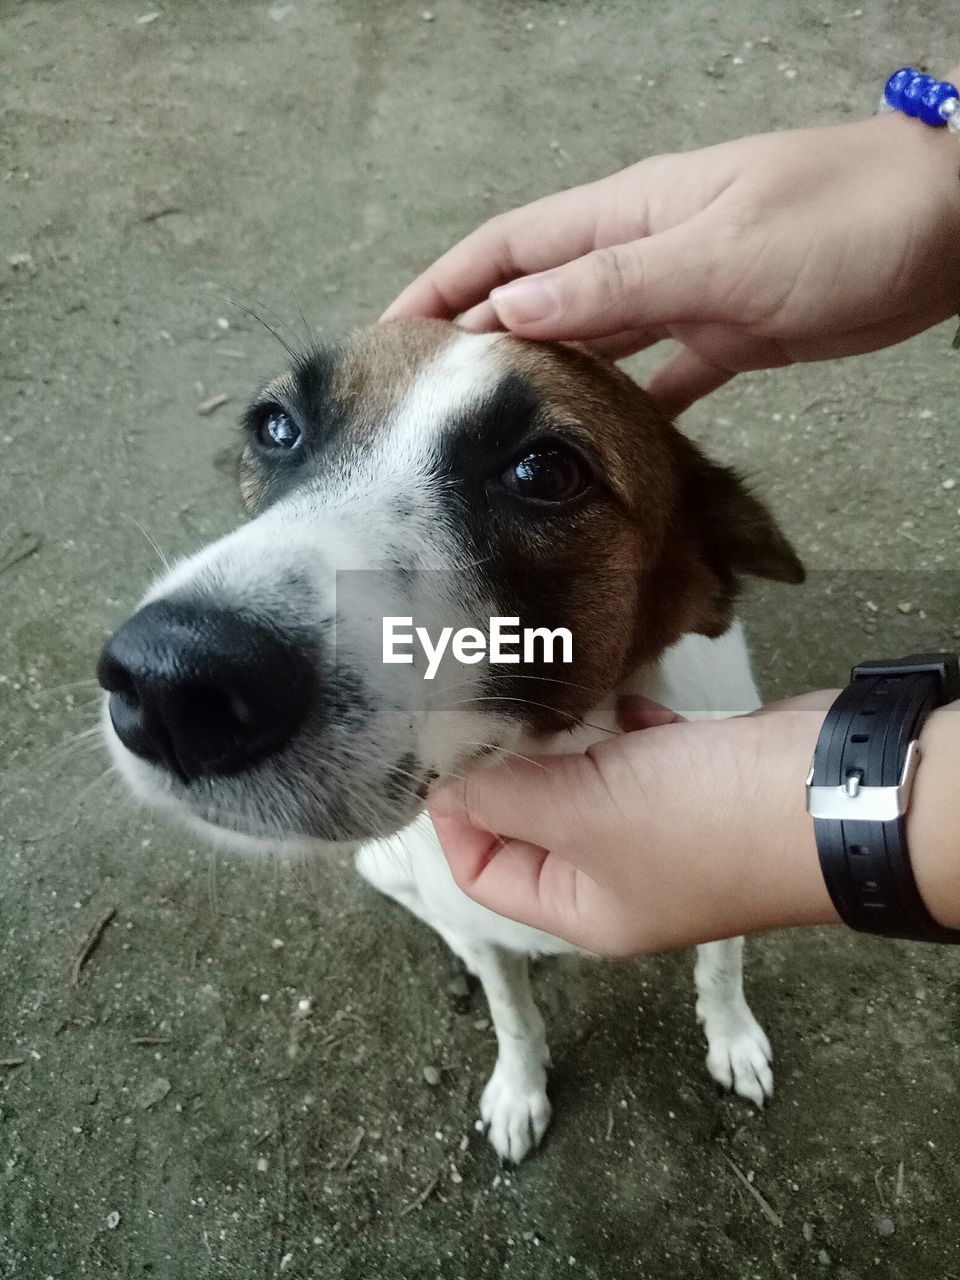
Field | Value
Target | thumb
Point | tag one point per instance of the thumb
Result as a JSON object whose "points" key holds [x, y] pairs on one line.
{"points": [[663, 279], [518, 880], [544, 802]]}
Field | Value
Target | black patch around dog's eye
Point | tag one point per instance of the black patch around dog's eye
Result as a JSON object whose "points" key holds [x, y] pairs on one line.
{"points": [[507, 447], [503, 417], [286, 433], [305, 411]]}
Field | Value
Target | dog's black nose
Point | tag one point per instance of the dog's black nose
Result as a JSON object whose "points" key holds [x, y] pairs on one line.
{"points": [[202, 690]]}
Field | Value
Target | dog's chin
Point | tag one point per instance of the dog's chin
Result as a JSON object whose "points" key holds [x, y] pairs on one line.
{"points": [[273, 833]]}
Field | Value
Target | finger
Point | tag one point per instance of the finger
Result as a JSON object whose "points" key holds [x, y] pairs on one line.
{"points": [[539, 235], [520, 881], [663, 279], [492, 871], [620, 345], [635, 712], [685, 378], [480, 319], [546, 803], [483, 319]]}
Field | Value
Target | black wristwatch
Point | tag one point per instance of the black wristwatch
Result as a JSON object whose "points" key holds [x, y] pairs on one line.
{"points": [[859, 789]]}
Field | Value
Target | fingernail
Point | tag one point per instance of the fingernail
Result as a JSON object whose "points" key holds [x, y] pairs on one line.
{"points": [[526, 301]]}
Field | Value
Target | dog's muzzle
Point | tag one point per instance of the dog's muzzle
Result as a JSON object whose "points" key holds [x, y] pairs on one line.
{"points": [[204, 692]]}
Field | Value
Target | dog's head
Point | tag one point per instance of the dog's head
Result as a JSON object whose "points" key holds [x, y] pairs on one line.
{"points": [[415, 471]]}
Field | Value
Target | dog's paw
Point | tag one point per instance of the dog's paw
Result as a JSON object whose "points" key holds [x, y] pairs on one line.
{"points": [[514, 1109], [739, 1056]]}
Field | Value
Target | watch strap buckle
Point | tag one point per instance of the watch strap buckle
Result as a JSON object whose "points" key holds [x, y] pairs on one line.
{"points": [[853, 802]]}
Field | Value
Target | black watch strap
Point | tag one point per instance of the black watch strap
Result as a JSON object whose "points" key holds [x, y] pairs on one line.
{"points": [[859, 789]]}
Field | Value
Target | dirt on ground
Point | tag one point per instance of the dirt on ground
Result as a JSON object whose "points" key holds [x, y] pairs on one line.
{"points": [[171, 1111]]}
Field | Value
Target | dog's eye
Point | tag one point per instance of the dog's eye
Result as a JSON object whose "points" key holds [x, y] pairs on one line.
{"points": [[278, 432], [547, 474]]}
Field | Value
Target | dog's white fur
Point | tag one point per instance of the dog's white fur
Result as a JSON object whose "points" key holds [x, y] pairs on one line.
{"points": [[344, 523], [712, 675]]}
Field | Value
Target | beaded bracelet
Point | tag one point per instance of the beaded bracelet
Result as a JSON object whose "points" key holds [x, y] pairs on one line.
{"points": [[933, 102]]}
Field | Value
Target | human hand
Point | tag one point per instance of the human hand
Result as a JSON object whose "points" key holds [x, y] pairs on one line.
{"points": [[673, 834], [756, 253]]}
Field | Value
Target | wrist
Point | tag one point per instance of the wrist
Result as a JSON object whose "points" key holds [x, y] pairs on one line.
{"points": [[925, 155], [933, 819], [786, 885]]}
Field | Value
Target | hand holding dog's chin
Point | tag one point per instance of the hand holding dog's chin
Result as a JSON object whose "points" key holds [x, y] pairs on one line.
{"points": [[681, 833], [659, 839]]}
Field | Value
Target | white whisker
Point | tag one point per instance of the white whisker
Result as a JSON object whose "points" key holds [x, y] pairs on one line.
{"points": [[153, 543]]}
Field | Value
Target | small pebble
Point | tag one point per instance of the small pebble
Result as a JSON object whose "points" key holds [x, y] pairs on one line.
{"points": [[948, 485], [431, 1075], [145, 19], [113, 1220], [823, 1258], [807, 1230], [427, 15], [885, 1226], [153, 1092], [905, 606]]}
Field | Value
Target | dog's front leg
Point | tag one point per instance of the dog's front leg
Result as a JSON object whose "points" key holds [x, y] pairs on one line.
{"points": [[514, 1106], [738, 1051]]}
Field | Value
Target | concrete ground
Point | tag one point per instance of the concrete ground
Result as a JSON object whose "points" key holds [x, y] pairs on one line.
{"points": [[171, 1115]]}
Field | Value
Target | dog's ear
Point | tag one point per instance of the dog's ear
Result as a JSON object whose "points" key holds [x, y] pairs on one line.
{"points": [[733, 533]]}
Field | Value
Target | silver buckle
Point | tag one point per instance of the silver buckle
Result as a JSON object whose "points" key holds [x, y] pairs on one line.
{"points": [[852, 802]]}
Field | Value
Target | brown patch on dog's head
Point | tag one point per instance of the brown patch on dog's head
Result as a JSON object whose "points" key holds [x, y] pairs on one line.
{"points": [[663, 547]]}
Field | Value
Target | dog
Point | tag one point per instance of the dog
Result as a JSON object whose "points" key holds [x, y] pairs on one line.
{"points": [[417, 471]]}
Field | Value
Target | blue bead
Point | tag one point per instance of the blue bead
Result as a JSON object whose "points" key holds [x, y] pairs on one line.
{"points": [[913, 94], [893, 92], [933, 100]]}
